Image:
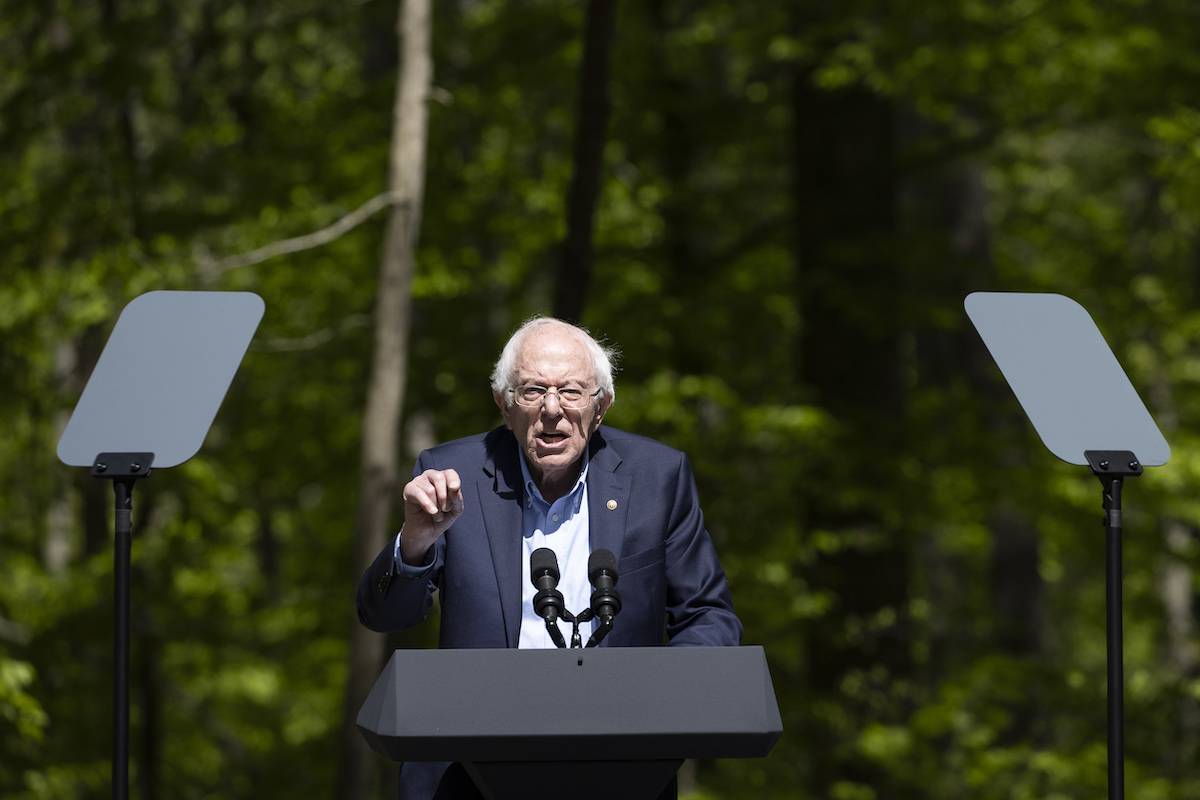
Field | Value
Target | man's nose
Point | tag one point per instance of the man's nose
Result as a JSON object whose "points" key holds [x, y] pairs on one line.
{"points": [[553, 411]]}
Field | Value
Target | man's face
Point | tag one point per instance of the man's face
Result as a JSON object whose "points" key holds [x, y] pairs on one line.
{"points": [[552, 437]]}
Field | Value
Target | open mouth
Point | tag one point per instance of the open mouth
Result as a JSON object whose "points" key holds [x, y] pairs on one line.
{"points": [[551, 437]]}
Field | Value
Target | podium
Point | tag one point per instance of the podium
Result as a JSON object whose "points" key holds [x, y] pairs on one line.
{"points": [[605, 721]]}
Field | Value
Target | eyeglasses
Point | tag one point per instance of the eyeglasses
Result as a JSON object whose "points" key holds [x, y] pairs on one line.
{"points": [[531, 394]]}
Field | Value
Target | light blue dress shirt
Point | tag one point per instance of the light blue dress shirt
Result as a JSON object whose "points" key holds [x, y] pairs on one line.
{"points": [[563, 527]]}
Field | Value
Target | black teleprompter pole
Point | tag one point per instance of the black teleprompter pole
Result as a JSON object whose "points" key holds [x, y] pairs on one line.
{"points": [[123, 469], [122, 547], [1112, 467]]}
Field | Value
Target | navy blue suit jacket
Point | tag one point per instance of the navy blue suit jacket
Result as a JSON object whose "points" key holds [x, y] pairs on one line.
{"points": [[642, 505]]}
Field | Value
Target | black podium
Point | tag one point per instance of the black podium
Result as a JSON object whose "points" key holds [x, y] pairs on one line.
{"points": [[606, 722]]}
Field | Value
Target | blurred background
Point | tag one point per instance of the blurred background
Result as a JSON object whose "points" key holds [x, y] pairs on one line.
{"points": [[773, 209]]}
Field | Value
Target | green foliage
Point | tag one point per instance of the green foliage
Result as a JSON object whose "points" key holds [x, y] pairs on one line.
{"points": [[797, 197]]}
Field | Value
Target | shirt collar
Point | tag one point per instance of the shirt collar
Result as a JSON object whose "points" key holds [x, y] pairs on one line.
{"points": [[531, 487]]}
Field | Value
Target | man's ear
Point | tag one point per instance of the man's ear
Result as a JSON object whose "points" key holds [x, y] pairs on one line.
{"points": [[503, 406], [602, 409]]}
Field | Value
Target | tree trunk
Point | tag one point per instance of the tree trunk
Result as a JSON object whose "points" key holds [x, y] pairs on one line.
{"points": [[676, 149], [56, 547], [1176, 584], [1016, 587], [575, 268], [843, 188], [1175, 575], [358, 767], [96, 497], [1176, 581]]}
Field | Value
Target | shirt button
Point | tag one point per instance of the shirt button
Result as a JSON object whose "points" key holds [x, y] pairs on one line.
{"points": [[555, 517]]}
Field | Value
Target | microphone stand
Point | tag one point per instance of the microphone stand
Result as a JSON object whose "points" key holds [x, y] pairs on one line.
{"points": [[555, 633], [604, 626], [576, 639]]}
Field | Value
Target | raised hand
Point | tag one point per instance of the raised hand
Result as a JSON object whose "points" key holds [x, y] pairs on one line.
{"points": [[432, 502]]}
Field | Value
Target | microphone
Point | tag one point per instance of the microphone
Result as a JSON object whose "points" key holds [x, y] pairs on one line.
{"points": [[602, 572], [543, 571], [548, 602]]}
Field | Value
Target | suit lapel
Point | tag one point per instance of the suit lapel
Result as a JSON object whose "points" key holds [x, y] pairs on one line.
{"points": [[608, 497], [500, 496]]}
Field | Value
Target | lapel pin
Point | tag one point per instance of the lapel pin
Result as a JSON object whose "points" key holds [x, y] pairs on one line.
{"points": [[612, 505]]}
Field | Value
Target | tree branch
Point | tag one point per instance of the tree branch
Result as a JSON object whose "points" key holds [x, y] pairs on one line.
{"points": [[306, 242], [312, 340]]}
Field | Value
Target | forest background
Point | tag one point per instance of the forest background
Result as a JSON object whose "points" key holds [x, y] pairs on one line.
{"points": [[773, 209]]}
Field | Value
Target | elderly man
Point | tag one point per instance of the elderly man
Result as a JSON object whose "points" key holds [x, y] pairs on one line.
{"points": [[552, 477]]}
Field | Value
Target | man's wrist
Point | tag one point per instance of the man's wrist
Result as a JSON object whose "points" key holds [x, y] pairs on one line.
{"points": [[411, 553]]}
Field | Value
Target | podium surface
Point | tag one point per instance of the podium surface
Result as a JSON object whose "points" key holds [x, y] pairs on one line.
{"points": [[597, 704]]}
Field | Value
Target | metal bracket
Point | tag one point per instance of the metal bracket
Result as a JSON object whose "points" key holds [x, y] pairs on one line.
{"points": [[122, 465], [1116, 463]]}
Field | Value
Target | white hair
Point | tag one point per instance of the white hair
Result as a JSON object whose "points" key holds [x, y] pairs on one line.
{"points": [[504, 374]]}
